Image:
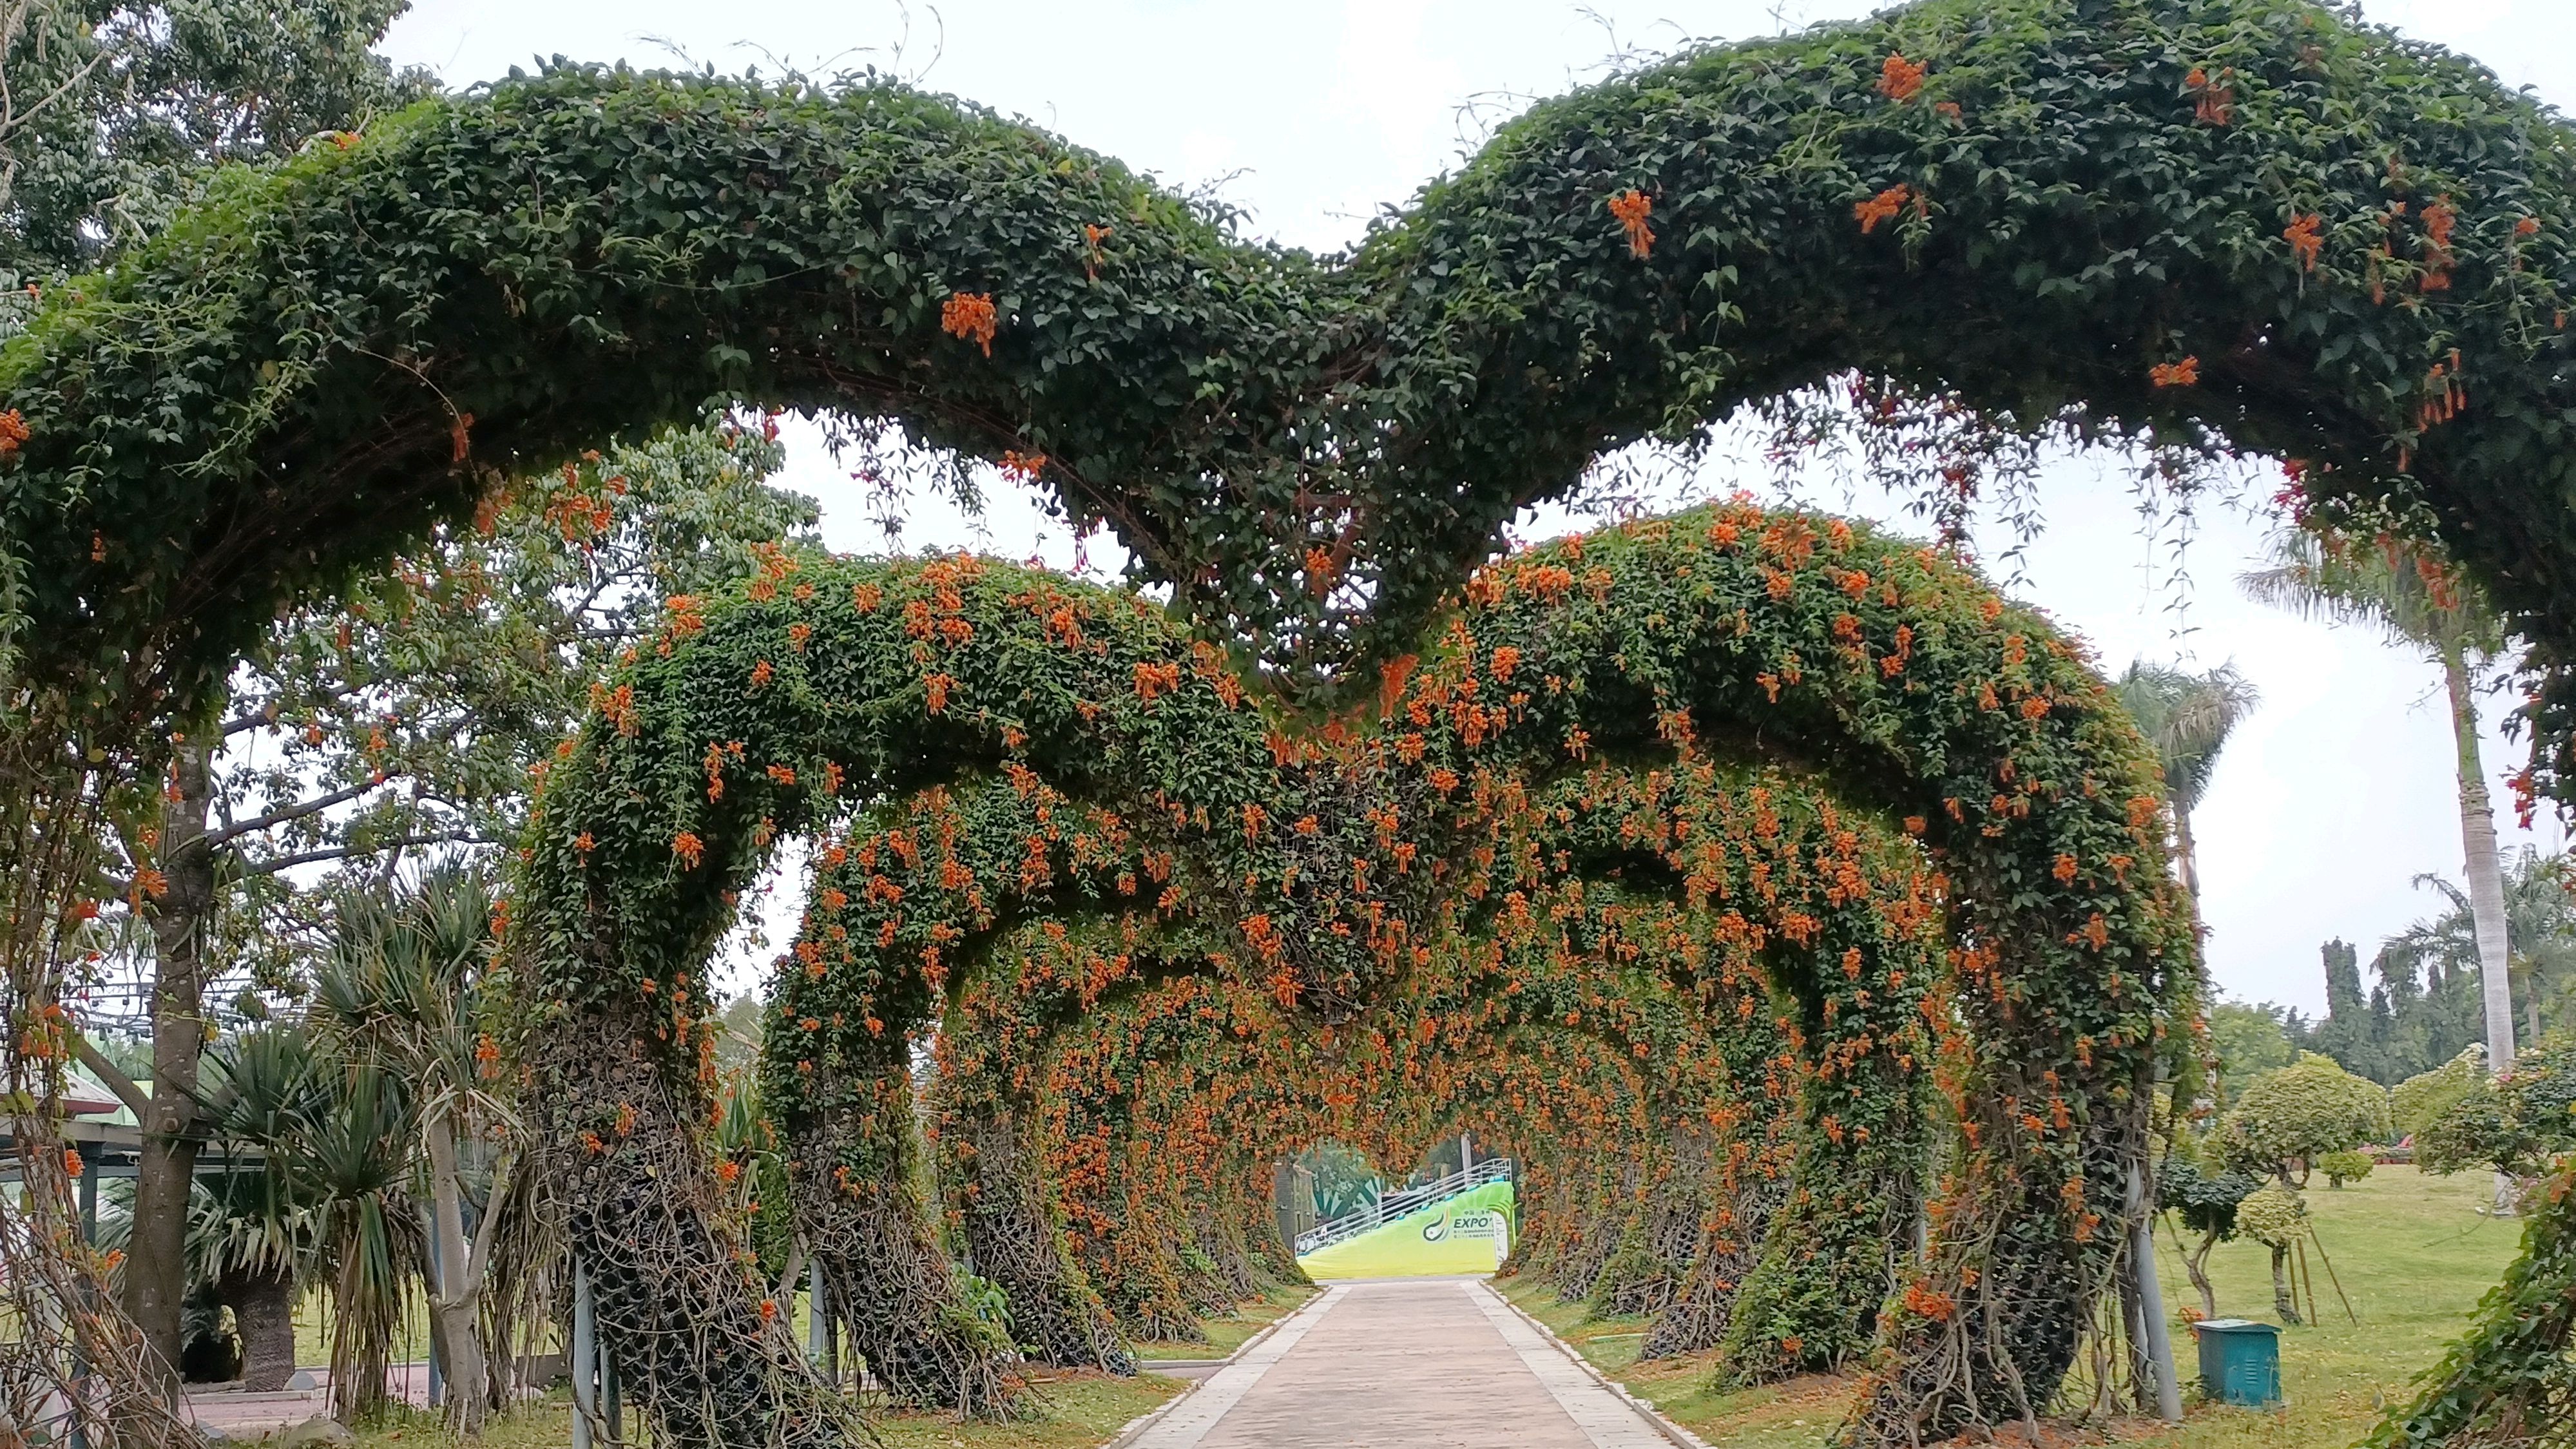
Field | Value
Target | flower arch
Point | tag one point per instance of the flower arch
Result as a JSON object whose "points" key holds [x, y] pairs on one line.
{"points": [[2241, 223], [1047, 752]]}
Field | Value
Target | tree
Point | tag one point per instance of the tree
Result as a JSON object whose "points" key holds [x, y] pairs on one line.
{"points": [[2517, 1124], [404, 721], [2277, 1217], [2187, 717], [2540, 935], [2415, 598], [2417, 1102], [2206, 1204], [2250, 1040], [2287, 1119], [2343, 1167], [113, 113]]}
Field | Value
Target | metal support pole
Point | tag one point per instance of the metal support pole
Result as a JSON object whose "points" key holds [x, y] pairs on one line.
{"points": [[615, 1410], [2151, 1299], [814, 1320], [585, 1359], [1466, 1153], [89, 1237]]}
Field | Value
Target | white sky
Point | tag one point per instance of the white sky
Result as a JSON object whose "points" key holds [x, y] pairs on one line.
{"points": [[2326, 805]]}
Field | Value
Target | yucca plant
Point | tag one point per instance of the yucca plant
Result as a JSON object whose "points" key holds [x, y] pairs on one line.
{"points": [[406, 990], [334, 1193]]}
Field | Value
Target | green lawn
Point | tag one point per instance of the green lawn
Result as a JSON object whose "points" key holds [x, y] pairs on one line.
{"points": [[1073, 1411], [2412, 1251], [1225, 1335]]}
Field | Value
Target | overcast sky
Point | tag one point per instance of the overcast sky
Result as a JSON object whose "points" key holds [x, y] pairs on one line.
{"points": [[1313, 116]]}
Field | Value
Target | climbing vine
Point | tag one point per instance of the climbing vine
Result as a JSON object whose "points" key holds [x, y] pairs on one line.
{"points": [[2201, 224]]}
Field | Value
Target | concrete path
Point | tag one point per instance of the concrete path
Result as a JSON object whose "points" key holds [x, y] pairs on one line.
{"points": [[1399, 1363]]}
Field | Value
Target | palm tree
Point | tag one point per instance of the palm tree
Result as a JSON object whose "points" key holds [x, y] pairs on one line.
{"points": [[2415, 599], [2540, 932], [2187, 717]]}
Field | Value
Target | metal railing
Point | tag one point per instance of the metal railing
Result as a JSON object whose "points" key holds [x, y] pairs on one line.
{"points": [[1395, 1205]]}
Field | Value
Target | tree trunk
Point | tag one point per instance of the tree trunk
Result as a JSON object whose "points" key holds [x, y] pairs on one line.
{"points": [[2186, 858], [2486, 885], [454, 1300], [263, 1306], [2284, 1304], [156, 1268], [2485, 872], [2195, 1263]]}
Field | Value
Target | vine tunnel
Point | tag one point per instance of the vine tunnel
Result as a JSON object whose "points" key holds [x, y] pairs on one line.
{"points": [[2322, 242], [1070, 815]]}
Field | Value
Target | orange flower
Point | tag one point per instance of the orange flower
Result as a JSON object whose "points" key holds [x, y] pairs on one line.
{"points": [[1900, 78], [971, 317], [2064, 869], [1631, 208], [2175, 374], [13, 430], [2439, 220], [2217, 102], [2305, 242], [1931, 1303], [1023, 467], [689, 849], [1882, 207]]}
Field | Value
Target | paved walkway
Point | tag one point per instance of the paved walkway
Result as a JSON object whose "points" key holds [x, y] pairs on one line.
{"points": [[1401, 1363]]}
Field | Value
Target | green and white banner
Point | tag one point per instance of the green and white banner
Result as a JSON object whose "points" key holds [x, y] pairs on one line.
{"points": [[1468, 1233]]}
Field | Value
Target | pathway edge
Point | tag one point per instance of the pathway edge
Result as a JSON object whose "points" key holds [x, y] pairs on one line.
{"points": [[1645, 1407], [1136, 1428]]}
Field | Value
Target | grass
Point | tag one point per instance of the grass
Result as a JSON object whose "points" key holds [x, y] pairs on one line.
{"points": [[1074, 1411], [1225, 1335], [2412, 1251]]}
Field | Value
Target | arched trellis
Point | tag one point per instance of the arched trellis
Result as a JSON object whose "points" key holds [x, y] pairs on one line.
{"points": [[326, 357], [294, 383], [833, 680]]}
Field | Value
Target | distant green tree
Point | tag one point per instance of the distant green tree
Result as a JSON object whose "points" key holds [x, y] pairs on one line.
{"points": [[2249, 1041], [2205, 1203], [2277, 1217], [2187, 717], [1344, 1180], [2343, 1167]]}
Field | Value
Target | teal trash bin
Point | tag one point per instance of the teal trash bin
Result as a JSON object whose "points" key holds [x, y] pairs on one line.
{"points": [[2240, 1361]]}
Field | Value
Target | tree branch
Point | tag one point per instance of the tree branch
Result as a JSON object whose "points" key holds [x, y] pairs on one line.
{"points": [[348, 852], [291, 813], [133, 1096]]}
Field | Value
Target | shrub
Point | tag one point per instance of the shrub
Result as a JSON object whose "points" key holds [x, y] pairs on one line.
{"points": [[2343, 1167]]}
